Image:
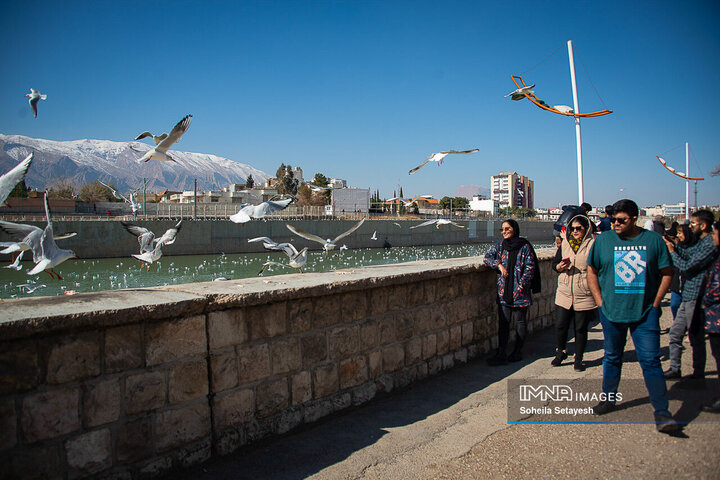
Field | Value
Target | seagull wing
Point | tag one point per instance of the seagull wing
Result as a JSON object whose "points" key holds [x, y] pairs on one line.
{"points": [[287, 248], [271, 206], [18, 231], [429, 222], [302, 233], [144, 134], [168, 238], [262, 239], [461, 151], [13, 177], [178, 131], [354, 227], [456, 224], [243, 215], [421, 165]]}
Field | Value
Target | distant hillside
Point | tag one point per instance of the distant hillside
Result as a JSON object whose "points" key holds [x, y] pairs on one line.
{"points": [[84, 161], [468, 191]]}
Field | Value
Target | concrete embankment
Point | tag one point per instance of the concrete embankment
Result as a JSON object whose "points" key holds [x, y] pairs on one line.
{"points": [[108, 238]]}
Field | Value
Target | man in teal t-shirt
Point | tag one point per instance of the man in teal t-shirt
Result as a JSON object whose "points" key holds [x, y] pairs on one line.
{"points": [[629, 272]]}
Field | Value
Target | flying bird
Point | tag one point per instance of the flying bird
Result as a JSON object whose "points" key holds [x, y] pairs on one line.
{"points": [[147, 258], [248, 212], [159, 152], [520, 93], [407, 202], [134, 206], [148, 254], [563, 109], [34, 97], [374, 236], [439, 157], [13, 177], [30, 288], [51, 256], [24, 238], [296, 259], [156, 138], [438, 222], [326, 243]]}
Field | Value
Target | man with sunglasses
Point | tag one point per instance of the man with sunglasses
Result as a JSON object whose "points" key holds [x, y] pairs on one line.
{"points": [[629, 272]]}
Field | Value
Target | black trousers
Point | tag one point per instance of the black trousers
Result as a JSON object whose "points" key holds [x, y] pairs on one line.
{"points": [[505, 316], [582, 318], [715, 349]]}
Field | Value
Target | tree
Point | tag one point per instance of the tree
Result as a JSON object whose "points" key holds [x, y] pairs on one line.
{"points": [[96, 192], [286, 182], [62, 188], [20, 190], [249, 181], [320, 180], [401, 193]]}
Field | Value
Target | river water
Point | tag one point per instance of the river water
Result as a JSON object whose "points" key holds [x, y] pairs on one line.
{"points": [[90, 275]]}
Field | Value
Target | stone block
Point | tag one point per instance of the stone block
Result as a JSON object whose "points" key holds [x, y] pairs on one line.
{"points": [[404, 325], [341, 401], [398, 298], [232, 409], [388, 329], [8, 424], [415, 295], [413, 351], [289, 419], [175, 428], [375, 364], [187, 381], [434, 365], [363, 393], [369, 334], [42, 463], [253, 362], [318, 409], [123, 348], [229, 440], [74, 357], [464, 284], [354, 306], [272, 397], [430, 289], [170, 341], [102, 402], [429, 346], [467, 332], [301, 387], [194, 454], [448, 360], [20, 366], [343, 341], [353, 372], [156, 467], [443, 341], [144, 391], [226, 328], [285, 355], [267, 321], [455, 337], [461, 356], [50, 414], [89, 453], [223, 371], [325, 380], [300, 314], [314, 348], [134, 439], [378, 301], [423, 320], [327, 311], [385, 383], [393, 358], [438, 316]]}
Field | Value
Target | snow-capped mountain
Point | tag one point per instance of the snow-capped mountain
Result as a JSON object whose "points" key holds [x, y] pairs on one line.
{"points": [[84, 161]]}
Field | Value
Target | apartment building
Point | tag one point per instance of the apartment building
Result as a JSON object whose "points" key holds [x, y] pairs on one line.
{"points": [[510, 189]]}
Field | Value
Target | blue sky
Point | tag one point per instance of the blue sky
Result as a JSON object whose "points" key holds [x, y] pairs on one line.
{"points": [[365, 90]]}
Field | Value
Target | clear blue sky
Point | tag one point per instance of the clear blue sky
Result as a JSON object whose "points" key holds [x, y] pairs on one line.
{"points": [[365, 90]]}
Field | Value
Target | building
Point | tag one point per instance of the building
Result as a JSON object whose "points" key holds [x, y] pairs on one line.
{"points": [[232, 194], [337, 183], [488, 206], [512, 190], [350, 200]]}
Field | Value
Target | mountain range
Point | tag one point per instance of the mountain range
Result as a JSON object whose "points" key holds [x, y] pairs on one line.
{"points": [[468, 191], [83, 161]]}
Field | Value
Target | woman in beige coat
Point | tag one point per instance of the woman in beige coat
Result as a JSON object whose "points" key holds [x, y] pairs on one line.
{"points": [[573, 298]]}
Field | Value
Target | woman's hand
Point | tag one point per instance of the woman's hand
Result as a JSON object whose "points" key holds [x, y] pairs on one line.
{"points": [[563, 265], [503, 271]]}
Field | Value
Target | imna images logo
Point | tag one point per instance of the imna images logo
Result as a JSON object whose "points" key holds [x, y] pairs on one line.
{"points": [[555, 393]]}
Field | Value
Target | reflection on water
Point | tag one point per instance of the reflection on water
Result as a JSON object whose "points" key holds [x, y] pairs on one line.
{"points": [[115, 273]]}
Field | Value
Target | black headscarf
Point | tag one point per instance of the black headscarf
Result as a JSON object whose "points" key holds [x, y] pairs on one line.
{"points": [[512, 245], [690, 238]]}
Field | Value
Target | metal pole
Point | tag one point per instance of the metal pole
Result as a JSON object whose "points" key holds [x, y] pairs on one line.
{"points": [[144, 197], [577, 123], [195, 201], [696, 207], [687, 182]]}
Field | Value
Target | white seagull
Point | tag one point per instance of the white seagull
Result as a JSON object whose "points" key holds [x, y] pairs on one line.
{"points": [[438, 222], [297, 259], [25, 237], [13, 177], [563, 109], [374, 235], [147, 239], [30, 288], [34, 97], [51, 256], [248, 212], [160, 150], [135, 206], [149, 257], [326, 243], [439, 157], [520, 93], [156, 138]]}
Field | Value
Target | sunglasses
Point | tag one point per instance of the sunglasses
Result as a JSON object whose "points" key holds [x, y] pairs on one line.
{"points": [[506, 229], [620, 220], [577, 229]]}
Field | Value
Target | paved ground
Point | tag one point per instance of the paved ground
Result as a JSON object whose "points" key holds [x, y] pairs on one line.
{"points": [[455, 426]]}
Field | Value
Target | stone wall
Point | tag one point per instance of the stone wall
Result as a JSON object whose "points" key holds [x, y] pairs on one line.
{"points": [[133, 383]]}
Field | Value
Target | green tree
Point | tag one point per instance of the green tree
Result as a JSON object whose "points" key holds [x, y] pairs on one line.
{"points": [[62, 188], [249, 181], [320, 180], [20, 190]]}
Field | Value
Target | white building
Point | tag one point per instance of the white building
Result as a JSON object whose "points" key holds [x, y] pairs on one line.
{"points": [[479, 204], [228, 195], [337, 183], [512, 190], [350, 200]]}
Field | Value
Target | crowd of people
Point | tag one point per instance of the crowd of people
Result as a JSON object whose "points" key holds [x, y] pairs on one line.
{"points": [[618, 273]]}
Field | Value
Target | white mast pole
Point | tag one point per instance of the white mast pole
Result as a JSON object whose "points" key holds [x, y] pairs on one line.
{"points": [[687, 182], [577, 123]]}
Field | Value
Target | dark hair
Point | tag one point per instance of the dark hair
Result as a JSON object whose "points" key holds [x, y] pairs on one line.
{"points": [[586, 206], [514, 225], [672, 231], [627, 206], [609, 210], [705, 216], [581, 219], [716, 225], [690, 238]]}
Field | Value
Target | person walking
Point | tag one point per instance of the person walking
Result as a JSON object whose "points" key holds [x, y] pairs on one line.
{"points": [[573, 299], [516, 264], [629, 272], [711, 310], [692, 262]]}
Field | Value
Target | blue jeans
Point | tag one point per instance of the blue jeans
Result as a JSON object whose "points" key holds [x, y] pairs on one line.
{"points": [[675, 299], [646, 338]]}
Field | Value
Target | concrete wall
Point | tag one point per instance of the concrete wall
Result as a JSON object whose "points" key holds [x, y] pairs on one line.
{"points": [[102, 239], [133, 383]]}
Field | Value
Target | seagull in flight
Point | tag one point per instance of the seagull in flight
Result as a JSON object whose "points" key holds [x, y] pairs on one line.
{"points": [[30, 288], [248, 212], [160, 150], [438, 222], [374, 235], [13, 177], [297, 259], [135, 206], [440, 157], [147, 239], [521, 92], [25, 237], [34, 97], [326, 243], [51, 256], [156, 138]]}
